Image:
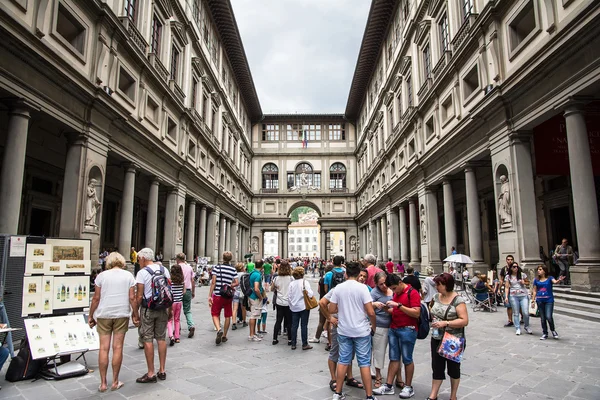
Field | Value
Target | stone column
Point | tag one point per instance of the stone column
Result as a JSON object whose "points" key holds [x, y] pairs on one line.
{"points": [[73, 188], [190, 235], [222, 237], [449, 217], [414, 234], [126, 222], [474, 220], [212, 235], [395, 232], [202, 233], [379, 240], [152, 215], [586, 274], [384, 238], [285, 253], [522, 203], [13, 169], [373, 238], [228, 236], [403, 235], [235, 227], [170, 234], [323, 244], [433, 231]]}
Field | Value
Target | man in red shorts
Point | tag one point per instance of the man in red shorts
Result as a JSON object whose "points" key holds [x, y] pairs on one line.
{"points": [[222, 274]]}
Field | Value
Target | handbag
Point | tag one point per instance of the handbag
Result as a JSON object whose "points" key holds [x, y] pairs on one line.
{"points": [[533, 309], [226, 291], [452, 347], [309, 302], [274, 293]]}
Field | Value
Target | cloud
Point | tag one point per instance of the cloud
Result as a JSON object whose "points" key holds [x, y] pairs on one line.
{"points": [[302, 53]]}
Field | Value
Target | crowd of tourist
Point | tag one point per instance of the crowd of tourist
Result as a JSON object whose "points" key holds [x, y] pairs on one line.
{"points": [[367, 312]]}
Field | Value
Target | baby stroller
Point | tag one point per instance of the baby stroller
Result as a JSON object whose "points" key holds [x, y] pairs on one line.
{"points": [[482, 299]]}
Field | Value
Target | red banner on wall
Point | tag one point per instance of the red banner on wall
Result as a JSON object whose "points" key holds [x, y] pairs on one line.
{"points": [[551, 148]]}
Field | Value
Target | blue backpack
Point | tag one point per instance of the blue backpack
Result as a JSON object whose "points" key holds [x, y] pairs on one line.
{"points": [[162, 294], [423, 321]]}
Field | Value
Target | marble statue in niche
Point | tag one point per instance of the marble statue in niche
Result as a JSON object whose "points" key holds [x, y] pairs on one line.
{"points": [[504, 203], [92, 205]]}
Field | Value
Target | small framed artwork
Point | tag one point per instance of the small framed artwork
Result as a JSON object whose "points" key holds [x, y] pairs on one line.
{"points": [[32, 295], [69, 249], [38, 252], [53, 268], [34, 267], [73, 266]]}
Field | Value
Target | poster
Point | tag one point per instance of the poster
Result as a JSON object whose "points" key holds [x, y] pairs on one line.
{"points": [[39, 252], [17, 246], [60, 335], [75, 266], [66, 249], [32, 295], [70, 292]]}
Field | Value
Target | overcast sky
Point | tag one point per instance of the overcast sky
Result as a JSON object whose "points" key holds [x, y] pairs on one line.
{"points": [[302, 53]]}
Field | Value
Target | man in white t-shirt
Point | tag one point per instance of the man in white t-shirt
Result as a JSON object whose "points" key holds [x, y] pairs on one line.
{"points": [[352, 302], [153, 322]]}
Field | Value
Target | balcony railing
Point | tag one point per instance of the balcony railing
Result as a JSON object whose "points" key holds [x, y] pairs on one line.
{"points": [[271, 190], [463, 32], [338, 190], [174, 86], [160, 68], [135, 35]]}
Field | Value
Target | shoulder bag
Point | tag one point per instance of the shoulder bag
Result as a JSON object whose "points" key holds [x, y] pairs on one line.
{"points": [[225, 291], [452, 347], [309, 302]]}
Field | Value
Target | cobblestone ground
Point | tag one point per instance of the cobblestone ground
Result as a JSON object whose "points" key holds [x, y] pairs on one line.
{"points": [[497, 365]]}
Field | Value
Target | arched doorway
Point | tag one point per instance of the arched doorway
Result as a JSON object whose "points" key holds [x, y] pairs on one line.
{"points": [[304, 233]]}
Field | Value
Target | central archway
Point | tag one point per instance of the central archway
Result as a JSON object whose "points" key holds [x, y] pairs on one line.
{"points": [[304, 233], [303, 203]]}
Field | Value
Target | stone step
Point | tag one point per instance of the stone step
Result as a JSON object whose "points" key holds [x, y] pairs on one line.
{"points": [[572, 312], [593, 308], [571, 297], [567, 289]]}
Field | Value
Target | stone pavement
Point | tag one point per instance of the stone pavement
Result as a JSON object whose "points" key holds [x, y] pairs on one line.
{"points": [[497, 365]]}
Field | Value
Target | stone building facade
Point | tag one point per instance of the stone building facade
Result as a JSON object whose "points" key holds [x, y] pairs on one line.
{"points": [[464, 109], [470, 124]]}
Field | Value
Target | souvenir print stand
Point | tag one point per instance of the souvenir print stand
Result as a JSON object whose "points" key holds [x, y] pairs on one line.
{"points": [[56, 283]]}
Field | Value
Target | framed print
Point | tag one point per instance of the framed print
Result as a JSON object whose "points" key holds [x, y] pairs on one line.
{"points": [[69, 249], [52, 268], [34, 267], [72, 266], [32, 295], [71, 292], [47, 295], [38, 252]]}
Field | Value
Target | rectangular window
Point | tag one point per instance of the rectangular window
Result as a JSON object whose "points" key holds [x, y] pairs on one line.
{"points": [[151, 109], [196, 11], [470, 82], [172, 129], [427, 61], [444, 33], [174, 63], [126, 84], [447, 109], [313, 131], [467, 8], [194, 92], [156, 33], [522, 26], [409, 90], [270, 132], [336, 132], [130, 9], [429, 128], [191, 149], [70, 29], [205, 107], [214, 121], [391, 117]]}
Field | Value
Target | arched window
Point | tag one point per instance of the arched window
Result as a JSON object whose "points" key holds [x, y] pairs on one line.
{"points": [[304, 176], [270, 178], [337, 177]]}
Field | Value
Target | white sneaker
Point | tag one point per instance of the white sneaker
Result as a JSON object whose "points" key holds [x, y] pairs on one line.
{"points": [[314, 340], [555, 334], [324, 334], [528, 330], [544, 337], [254, 339], [339, 396], [518, 332], [407, 392], [384, 389]]}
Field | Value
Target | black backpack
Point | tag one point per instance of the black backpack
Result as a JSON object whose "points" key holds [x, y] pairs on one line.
{"points": [[23, 366], [322, 287], [245, 286], [423, 321], [337, 277]]}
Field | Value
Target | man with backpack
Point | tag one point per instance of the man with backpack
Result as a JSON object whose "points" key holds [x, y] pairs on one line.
{"points": [[336, 276], [220, 295], [402, 335], [255, 300], [155, 298]]}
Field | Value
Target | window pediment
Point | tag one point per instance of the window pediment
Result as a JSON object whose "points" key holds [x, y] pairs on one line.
{"points": [[405, 65], [178, 31], [422, 31]]}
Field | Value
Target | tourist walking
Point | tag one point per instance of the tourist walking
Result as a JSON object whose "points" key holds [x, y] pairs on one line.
{"points": [[255, 301], [516, 289], [381, 294], [189, 292], [429, 288], [238, 298], [563, 254], [224, 278], [153, 316], [356, 324], [281, 286], [544, 298], [510, 260], [174, 324], [368, 262], [402, 335], [300, 313], [449, 314], [112, 304]]}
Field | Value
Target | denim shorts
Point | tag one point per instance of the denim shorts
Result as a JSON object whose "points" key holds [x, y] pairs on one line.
{"points": [[402, 342], [360, 345]]}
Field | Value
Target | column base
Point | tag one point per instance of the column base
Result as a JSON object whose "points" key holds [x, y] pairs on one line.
{"points": [[585, 276], [437, 266]]}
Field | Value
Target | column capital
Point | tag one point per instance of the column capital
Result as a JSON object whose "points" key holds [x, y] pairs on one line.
{"points": [[130, 167], [22, 107], [573, 104], [517, 137], [155, 181], [446, 180], [430, 189], [192, 201], [75, 139], [203, 207], [412, 200]]}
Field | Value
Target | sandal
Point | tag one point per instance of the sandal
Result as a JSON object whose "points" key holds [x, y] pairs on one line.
{"points": [[354, 383], [162, 376], [400, 384], [177, 341], [146, 379], [332, 385], [377, 383]]}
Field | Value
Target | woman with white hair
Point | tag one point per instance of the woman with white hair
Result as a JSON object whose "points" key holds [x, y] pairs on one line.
{"points": [[429, 287], [112, 304]]}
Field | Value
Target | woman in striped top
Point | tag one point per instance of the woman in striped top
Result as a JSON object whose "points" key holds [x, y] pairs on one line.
{"points": [[177, 288]]}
